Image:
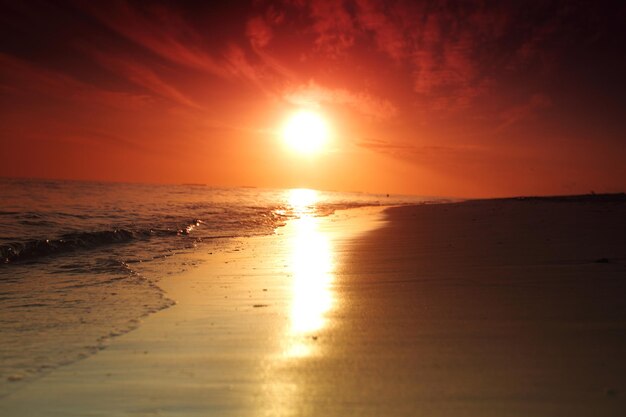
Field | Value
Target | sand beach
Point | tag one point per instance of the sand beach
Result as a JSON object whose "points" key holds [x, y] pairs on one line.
{"points": [[509, 307]]}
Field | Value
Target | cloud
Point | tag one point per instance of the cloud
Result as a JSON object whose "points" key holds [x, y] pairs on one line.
{"points": [[388, 33], [446, 60], [416, 152], [313, 95], [441, 47], [333, 25], [449, 52], [238, 64], [384, 146], [525, 112], [162, 31], [143, 76], [24, 76], [259, 32]]}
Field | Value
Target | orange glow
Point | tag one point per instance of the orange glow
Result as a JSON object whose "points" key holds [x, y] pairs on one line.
{"points": [[305, 132], [188, 94]]}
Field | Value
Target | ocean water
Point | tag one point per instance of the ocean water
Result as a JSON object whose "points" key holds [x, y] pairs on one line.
{"points": [[80, 262]]}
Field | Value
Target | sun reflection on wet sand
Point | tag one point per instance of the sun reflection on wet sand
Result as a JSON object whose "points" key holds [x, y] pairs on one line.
{"points": [[311, 265], [310, 250]]}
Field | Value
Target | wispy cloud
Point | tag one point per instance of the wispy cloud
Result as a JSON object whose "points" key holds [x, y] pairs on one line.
{"points": [[455, 55], [333, 25], [164, 32], [23, 76], [143, 76], [418, 152], [524, 112], [161, 30], [259, 32], [375, 16], [313, 95]]}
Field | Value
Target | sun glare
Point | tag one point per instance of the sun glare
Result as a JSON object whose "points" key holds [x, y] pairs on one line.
{"points": [[305, 132]]}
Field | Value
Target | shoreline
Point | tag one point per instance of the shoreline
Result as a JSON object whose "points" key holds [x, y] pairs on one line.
{"points": [[480, 308], [232, 316]]}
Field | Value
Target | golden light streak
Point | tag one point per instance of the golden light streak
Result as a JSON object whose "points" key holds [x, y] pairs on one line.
{"points": [[312, 267]]}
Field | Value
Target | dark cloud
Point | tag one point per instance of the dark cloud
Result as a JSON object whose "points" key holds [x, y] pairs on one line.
{"points": [[454, 52]]}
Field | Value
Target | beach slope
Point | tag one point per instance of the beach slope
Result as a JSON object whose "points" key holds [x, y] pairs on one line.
{"points": [[483, 308]]}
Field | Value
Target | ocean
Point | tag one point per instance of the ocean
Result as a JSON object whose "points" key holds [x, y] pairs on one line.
{"points": [[80, 262]]}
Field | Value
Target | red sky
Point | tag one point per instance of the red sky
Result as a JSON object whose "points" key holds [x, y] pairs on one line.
{"points": [[458, 98]]}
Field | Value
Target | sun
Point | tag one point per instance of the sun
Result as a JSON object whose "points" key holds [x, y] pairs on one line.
{"points": [[305, 132]]}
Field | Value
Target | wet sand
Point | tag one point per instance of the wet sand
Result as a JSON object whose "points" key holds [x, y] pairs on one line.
{"points": [[487, 308], [490, 308]]}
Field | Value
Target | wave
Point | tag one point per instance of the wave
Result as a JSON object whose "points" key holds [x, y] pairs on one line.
{"points": [[70, 242]]}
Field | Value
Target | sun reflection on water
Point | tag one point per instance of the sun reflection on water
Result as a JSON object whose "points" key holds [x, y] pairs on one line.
{"points": [[302, 200], [312, 268]]}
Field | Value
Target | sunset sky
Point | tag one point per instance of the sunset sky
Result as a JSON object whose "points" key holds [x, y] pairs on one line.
{"points": [[449, 98]]}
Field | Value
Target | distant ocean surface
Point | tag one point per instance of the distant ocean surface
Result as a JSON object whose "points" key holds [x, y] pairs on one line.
{"points": [[80, 262]]}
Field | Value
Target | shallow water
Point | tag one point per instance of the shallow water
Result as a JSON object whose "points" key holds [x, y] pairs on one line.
{"points": [[80, 261]]}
